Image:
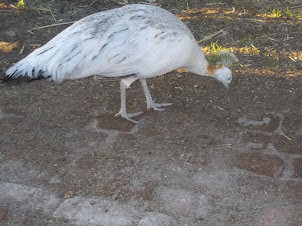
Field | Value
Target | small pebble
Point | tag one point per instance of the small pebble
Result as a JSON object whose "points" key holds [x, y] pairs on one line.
{"points": [[11, 33], [68, 195]]}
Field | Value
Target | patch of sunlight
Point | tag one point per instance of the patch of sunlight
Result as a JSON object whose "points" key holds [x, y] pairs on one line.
{"points": [[209, 50], [195, 13], [267, 15], [258, 71], [192, 14], [205, 10], [275, 13], [248, 50], [229, 11], [185, 17], [181, 70], [4, 6], [20, 5], [211, 11], [295, 55], [271, 53], [285, 14], [268, 72], [8, 47], [293, 73]]}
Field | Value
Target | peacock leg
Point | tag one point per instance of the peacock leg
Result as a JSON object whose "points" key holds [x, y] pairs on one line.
{"points": [[150, 102]]}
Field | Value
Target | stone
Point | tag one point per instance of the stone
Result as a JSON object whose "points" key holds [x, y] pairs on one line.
{"points": [[268, 123], [293, 190], [17, 172], [68, 195], [297, 163], [281, 216], [96, 211], [256, 138], [268, 165], [28, 198], [153, 218], [183, 202], [3, 213], [291, 146]]}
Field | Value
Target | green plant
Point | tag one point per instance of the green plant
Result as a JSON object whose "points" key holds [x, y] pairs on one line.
{"points": [[188, 7], [218, 54], [275, 13], [291, 14], [253, 46], [21, 4], [215, 48]]}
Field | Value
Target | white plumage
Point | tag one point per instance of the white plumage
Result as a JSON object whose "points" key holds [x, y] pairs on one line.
{"points": [[128, 43]]}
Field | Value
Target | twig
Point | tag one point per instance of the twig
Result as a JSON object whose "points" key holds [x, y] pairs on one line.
{"points": [[211, 36], [273, 39], [295, 7], [30, 32], [150, 3], [188, 156], [215, 3], [53, 25], [35, 45], [286, 136], [292, 59], [43, 9], [21, 50], [93, 2], [53, 16], [11, 5]]}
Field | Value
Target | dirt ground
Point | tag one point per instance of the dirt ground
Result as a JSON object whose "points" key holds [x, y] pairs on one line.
{"points": [[215, 157]]}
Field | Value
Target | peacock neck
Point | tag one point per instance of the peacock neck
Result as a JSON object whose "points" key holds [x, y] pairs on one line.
{"points": [[200, 65]]}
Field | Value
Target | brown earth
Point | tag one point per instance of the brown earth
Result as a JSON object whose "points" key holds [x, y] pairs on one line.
{"points": [[215, 157]]}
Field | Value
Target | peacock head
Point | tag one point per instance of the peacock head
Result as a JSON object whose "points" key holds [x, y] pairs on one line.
{"points": [[224, 75]]}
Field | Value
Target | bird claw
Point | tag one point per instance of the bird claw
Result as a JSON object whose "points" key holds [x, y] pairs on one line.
{"points": [[157, 107], [128, 116]]}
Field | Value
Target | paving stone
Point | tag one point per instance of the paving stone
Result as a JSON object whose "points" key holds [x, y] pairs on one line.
{"points": [[256, 138], [268, 165], [297, 163], [96, 211], [3, 213], [17, 172], [283, 144], [268, 123], [293, 190], [26, 197], [153, 218], [292, 123], [183, 202], [213, 179], [287, 216]]}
